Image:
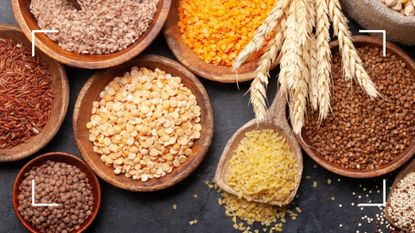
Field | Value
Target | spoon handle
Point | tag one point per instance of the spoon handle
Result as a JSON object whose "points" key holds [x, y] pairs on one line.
{"points": [[277, 112]]}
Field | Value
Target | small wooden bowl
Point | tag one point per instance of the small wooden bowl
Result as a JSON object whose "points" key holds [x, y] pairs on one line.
{"points": [[63, 158], [360, 41], [410, 168], [60, 103], [190, 60], [90, 93], [27, 22]]}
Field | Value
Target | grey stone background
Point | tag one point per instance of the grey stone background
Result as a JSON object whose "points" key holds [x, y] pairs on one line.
{"points": [[124, 211]]}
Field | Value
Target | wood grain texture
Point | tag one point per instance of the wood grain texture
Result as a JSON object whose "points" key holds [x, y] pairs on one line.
{"points": [[60, 103], [190, 60], [410, 168], [62, 158], [400, 160], [90, 93], [275, 120], [28, 23], [373, 14]]}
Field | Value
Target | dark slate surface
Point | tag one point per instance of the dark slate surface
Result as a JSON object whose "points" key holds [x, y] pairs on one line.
{"points": [[124, 211]]}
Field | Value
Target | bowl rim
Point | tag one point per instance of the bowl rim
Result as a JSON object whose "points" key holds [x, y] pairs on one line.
{"points": [[49, 156], [81, 139], [400, 160], [138, 47], [185, 55], [64, 101]]}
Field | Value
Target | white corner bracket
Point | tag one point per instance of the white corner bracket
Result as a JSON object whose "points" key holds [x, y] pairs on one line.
{"points": [[374, 204], [33, 37], [383, 32], [34, 204]]}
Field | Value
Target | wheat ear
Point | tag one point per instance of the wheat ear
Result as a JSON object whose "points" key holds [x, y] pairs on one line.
{"points": [[262, 33], [259, 85], [352, 64], [322, 45]]}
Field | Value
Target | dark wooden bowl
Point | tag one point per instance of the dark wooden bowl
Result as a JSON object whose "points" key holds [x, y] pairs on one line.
{"points": [[90, 93], [402, 174], [190, 60], [60, 104], [400, 160], [28, 23], [65, 158]]}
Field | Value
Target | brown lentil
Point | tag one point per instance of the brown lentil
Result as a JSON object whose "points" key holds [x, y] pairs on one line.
{"points": [[99, 27], [58, 183], [26, 94], [363, 133]]}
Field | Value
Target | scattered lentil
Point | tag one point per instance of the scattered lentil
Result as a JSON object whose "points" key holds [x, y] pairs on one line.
{"points": [[145, 124], [362, 133], [218, 30], [26, 94], [58, 183], [263, 167], [99, 27]]}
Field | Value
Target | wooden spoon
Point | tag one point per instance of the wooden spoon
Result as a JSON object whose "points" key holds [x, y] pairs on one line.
{"points": [[406, 171], [276, 120]]}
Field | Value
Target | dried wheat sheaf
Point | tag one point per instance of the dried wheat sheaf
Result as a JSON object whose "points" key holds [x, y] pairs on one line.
{"points": [[300, 34]]}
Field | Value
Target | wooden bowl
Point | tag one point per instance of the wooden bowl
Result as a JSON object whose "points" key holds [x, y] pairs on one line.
{"points": [[65, 158], [400, 160], [28, 23], [190, 60], [410, 168], [373, 14], [90, 93], [60, 103]]}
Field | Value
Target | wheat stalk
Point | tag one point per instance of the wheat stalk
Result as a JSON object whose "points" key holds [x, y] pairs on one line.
{"points": [[262, 33], [352, 64], [323, 78], [293, 66], [258, 88]]}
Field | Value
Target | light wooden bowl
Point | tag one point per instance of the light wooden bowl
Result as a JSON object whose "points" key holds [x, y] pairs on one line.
{"points": [[60, 103], [410, 168], [28, 23], [90, 93], [360, 41], [63, 158], [373, 14], [190, 60]]}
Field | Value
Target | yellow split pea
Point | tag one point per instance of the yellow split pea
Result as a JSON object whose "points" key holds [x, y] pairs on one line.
{"points": [[218, 30], [145, 124]]}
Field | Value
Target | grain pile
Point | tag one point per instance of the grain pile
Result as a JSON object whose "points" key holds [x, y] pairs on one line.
{"points": [[58, 183], [363, 133], [263, 168], [99, 27], [145, 124], [26, 95], [402, 203], [405, 7], [218, 30]]}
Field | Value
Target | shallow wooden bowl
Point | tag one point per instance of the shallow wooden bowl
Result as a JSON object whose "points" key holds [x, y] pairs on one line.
{"points": [[410, 168], [400, 160], [60, 103], [65, 158], [190, 60], [90, 93], [28, 23]]}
